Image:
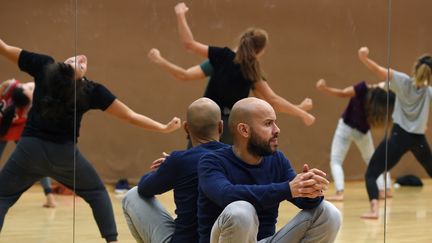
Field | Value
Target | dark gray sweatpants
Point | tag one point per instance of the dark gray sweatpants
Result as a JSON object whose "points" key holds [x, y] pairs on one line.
{"points": [[35, 158]]}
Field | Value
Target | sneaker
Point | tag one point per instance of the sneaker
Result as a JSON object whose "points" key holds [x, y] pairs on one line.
{"points": [[122, 186]]}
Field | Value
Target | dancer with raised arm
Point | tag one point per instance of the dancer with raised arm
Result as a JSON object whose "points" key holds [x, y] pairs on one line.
{"points": [[410, 116], [234, 74], [47, 146], [367, 108]]}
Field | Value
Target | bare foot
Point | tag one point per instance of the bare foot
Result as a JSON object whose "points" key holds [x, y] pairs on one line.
{"points": [[374, 211], [50, 202], [338, 197], [369, 215]]}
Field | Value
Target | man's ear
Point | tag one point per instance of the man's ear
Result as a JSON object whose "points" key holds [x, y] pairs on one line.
{"points": [[186, 128], [243, 129], [220, 127]]}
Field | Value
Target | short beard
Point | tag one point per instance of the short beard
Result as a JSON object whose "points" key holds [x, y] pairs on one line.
{"points": [[259, 147]]}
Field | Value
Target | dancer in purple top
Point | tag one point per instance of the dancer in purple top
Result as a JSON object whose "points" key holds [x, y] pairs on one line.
{"points": [[367, 108]]}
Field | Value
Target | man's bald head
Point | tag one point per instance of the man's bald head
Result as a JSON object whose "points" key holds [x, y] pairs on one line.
{"points": [[245, 110], [203, 118]]}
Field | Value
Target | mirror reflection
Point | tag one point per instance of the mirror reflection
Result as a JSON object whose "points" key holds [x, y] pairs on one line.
{"points": [[142, 67], [409, 158], [29, 140], [148, 66]]}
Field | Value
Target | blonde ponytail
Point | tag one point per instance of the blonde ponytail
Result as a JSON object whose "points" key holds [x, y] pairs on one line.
{"points": [[423, 71]]}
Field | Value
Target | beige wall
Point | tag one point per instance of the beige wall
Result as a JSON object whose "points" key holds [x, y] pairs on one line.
{"points": [[308, 40]]}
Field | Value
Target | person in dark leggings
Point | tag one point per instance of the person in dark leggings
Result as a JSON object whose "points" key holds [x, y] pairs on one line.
{"points": [[410, 115], [48, 144], [15, 98], [234, 74]]}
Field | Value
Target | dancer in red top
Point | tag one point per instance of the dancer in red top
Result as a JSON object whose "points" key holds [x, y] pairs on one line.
{"points": [[15, 102]]}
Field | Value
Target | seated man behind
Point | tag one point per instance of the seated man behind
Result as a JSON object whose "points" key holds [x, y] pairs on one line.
{"points": [[147, 218], [240, 187]]}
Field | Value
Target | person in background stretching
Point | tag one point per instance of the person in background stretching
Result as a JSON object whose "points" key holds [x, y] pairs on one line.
{"points": [[16, 100], [410, 116], [234, 73], [47, 147], [367, 108]]}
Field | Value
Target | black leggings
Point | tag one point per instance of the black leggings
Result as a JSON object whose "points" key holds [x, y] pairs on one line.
{"points": [[398, 144], [34, 158]]}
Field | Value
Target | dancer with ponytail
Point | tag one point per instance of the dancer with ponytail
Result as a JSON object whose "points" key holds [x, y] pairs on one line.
{"points": [[367, 108], [234, 73], [410, 116]]}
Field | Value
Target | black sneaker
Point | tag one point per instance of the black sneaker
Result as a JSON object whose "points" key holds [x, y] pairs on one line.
{"points": [[122, 186]]}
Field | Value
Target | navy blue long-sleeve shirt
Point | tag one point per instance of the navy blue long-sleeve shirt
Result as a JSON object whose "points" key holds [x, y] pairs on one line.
{"points": [[179, 172], [224, 178]]}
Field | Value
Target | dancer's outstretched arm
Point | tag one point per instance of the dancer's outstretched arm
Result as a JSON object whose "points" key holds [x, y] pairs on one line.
{"points": [[10, 52], [380, 71], [122, 111], [347, 92], [182, 74], [186, 36], [263, 91]]}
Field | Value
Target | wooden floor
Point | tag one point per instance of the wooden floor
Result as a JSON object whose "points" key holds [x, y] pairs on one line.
{"points": [[409, 218]]}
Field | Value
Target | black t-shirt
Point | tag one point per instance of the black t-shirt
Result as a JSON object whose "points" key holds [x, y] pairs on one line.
{"points": [[227, 84], [95, 96]]}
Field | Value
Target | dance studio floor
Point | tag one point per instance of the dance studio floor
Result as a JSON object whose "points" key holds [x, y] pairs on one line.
{"points": [[409, 218]]}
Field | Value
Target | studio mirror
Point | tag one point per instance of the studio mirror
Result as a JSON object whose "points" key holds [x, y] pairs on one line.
{"points": [[308, 41], [43, 213], [409, 163]]}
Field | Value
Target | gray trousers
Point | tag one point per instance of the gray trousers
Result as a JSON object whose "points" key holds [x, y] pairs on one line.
{"points": [[147, 219], [238, 222]]}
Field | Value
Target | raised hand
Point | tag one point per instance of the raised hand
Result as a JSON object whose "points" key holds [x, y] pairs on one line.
{"points": [[154, 55], [308, 119], [306, 104], [173, 125], [321, 84], [363, 53], [181, 8]]}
